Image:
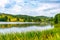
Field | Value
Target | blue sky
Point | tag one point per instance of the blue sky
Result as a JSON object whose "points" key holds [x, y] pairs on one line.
{"points": [[30, 7]]}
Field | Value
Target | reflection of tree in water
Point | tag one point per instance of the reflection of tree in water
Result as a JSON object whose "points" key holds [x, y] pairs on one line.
{"points": [[20, 25]]}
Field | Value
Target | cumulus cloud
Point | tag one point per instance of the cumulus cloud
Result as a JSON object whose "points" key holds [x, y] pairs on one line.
{"points": [[30, 7]]}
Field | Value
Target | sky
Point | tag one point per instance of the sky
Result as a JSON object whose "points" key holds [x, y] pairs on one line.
{"points": [[30, 7]]}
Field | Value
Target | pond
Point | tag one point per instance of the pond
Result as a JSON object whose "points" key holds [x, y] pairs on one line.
{"points": [[25, 27]]}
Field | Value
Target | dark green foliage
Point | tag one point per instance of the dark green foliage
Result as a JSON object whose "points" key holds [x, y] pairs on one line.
{"points": [[4, 19], [57, 18]]}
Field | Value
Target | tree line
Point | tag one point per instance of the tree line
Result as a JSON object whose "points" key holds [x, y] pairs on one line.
{"points": [[23, 18]]}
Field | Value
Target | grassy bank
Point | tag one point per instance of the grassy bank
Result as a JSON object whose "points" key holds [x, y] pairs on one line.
{"points": [[53, 34]]}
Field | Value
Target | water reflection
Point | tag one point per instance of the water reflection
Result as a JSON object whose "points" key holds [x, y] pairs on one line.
{"points": [[8, 28], [25, 29], [20, 25]]}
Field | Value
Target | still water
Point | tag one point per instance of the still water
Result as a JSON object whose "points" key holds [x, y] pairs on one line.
{"points": [[12, 28]]}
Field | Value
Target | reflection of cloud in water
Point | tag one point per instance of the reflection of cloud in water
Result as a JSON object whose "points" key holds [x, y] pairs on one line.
{"points": [[25, 29]]}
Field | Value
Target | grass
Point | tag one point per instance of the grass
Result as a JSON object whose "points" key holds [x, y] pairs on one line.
{"points": [[53, 34]]}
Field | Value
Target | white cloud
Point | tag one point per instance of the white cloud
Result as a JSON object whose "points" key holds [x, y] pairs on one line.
{"points": [[40, 10], [3, 2], [33, 8]]}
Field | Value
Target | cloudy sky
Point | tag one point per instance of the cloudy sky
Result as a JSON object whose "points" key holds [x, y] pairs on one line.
{"points": [[30, 7]]}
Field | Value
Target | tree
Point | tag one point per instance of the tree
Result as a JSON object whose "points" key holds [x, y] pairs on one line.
{"points": [[57, 18], [3, 19]]}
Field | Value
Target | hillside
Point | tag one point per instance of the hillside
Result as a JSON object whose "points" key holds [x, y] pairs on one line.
{"points": [[22, 18]]}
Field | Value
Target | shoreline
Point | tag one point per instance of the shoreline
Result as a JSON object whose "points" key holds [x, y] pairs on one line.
{"points": [[19, 22]]}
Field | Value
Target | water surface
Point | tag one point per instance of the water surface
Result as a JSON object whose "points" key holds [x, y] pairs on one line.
{"points": [[13, 28]]}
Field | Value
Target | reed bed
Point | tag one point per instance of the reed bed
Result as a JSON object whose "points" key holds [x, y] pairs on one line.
{"points": [[53, 34]]}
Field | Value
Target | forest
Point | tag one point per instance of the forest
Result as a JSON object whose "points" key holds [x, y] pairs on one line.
{"points": [[23, 18]]}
